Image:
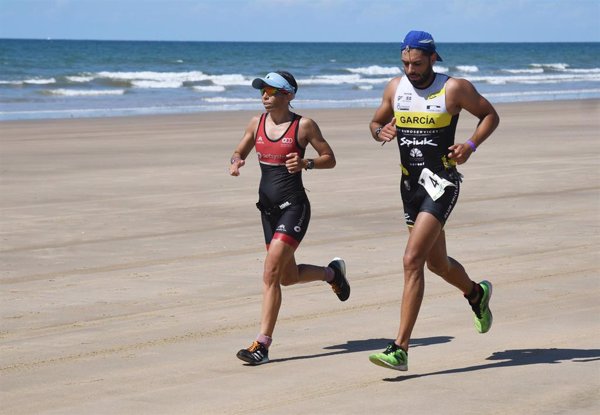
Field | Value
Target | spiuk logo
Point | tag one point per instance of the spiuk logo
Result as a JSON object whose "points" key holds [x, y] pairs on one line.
{"points": [[416, 142]]}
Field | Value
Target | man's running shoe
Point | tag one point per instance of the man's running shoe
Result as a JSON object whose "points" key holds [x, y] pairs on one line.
{"points": [[483, 315], [256, 354], [340, 284], [393, 357]]}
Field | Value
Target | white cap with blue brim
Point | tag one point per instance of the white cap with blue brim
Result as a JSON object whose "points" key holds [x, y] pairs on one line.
{"points": [[275, 80]]}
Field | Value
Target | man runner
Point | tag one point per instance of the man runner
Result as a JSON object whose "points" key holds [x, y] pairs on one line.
{"points": [[421, 109]]}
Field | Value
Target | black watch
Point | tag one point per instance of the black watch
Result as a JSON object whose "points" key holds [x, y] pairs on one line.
{"points": [[377, 131], [310, 164]]}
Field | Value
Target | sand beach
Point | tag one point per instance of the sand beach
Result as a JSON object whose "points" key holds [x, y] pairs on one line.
{"points": [[130, 271]]}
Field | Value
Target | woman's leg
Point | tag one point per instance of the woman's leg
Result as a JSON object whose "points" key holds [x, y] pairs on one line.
{"points": [[279, 257]]}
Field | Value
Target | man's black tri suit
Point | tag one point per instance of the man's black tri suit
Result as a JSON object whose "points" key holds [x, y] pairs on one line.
{"points": [[425, 130], [285, 209]]}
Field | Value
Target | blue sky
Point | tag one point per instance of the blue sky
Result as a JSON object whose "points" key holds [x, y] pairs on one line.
{"points": [[303, 20]]}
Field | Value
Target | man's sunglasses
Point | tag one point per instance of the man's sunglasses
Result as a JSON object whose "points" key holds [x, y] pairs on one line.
{"points": [[272, 91]]}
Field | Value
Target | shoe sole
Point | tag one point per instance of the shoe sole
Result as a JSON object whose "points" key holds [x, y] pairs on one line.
{"points": [[386, 365], [250, 361], [341, 263], [342, 266], [489, 284]]}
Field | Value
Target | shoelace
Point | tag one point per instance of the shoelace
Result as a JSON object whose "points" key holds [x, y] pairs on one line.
{"points": [[389, 349], [254, 347]]}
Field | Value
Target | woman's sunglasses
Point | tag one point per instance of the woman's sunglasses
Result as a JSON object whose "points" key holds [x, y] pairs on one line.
{"points": [[272, 91]]}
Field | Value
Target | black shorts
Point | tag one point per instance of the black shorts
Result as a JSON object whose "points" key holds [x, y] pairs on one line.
{"points": [[416, 199], [288, 225]]}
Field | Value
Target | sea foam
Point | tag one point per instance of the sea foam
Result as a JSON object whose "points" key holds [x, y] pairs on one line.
{"points": [[82, 92]]}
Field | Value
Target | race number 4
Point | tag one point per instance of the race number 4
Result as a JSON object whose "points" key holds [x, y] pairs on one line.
{"points": [[433, 184]]}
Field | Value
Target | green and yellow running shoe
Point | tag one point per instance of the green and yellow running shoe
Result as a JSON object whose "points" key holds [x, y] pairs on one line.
{"points": [[393, 357], [483, 315]]}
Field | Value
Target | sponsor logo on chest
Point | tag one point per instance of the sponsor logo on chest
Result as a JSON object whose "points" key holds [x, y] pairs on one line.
{"points": [[416, 142], [403, 101]]}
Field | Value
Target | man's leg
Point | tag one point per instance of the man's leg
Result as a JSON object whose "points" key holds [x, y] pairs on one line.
{"points": [[454, 273], [448, 268], [422, 237]]}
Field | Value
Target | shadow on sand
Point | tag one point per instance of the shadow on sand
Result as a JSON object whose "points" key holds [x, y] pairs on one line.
{"points": [[518, 357], [354, 346]]}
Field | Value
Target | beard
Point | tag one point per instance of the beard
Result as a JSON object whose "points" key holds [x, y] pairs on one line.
{"points": [[421, 80]]}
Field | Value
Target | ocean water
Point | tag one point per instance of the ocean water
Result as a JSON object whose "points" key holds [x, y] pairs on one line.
{"points": [[73, 78]]}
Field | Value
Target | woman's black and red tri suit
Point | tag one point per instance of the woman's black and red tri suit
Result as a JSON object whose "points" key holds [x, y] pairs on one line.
{"points": [[285, 209]]}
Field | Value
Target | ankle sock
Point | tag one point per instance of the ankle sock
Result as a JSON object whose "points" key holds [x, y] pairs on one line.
{"points": [[329, 274], [264, 340]]}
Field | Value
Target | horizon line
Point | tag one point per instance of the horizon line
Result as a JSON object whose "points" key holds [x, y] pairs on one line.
{"points": [[281, 41]]}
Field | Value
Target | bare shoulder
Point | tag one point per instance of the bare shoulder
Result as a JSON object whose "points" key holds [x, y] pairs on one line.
{"points": [[253, 124], [393, 83], [308, 127], [458, 86], [390, 90], [460, 94], [396, 79], [308, 124], [255, 120]]}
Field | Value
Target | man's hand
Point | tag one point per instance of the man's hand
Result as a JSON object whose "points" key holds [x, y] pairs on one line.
{"points": [[388, 132], [460, 152]]}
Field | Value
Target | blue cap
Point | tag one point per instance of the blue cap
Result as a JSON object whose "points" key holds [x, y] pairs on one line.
{"points": [[275, 80], [416, 39]]}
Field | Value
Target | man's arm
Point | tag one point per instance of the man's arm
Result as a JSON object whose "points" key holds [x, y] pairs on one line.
{"points": [[384, 115], [461, 94]]}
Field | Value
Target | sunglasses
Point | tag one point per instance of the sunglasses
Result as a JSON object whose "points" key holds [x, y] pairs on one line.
{"points": [[272, 91]]}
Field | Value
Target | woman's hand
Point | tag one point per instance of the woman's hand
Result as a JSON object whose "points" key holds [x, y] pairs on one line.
{"points": [[294, 163], [234, 168]]}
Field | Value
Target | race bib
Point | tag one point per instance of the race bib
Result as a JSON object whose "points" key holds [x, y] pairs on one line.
{"points": [[433, 184]]}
